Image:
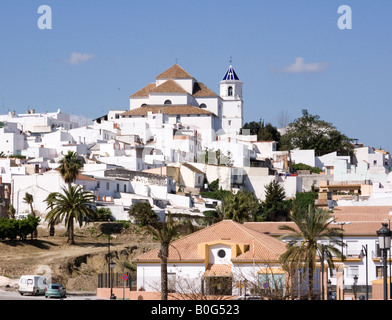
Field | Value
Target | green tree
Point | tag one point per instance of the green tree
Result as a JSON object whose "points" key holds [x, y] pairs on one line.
{"points": [[309, 132], [305, 199], [103, 214], [241, 206], [11, 211], [303, 246], [70, 167], [264, 132], [29, 199], [73, 204], [165, 232], [143, 214], [275, 207], [50, 199]]}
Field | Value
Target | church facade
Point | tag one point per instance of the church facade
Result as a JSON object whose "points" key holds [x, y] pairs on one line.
{"points": [[177, 98], [178, 117]]}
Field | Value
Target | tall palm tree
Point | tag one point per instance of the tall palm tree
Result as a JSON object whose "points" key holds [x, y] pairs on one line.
{"points": [[70, 167], [303, 245], [50, 201], [29, 199], [165, 232], [73, 204]]}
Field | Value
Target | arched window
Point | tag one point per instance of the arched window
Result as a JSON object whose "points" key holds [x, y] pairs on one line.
{"points": [[230, 91], [203, 105], [168, 102]]}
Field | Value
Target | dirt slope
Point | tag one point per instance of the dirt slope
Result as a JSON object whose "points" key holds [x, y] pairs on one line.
{"points": [[76, 266]]}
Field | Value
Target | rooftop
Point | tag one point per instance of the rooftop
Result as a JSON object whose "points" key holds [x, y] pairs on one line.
{"points": [[167, 109], [261, 247]]}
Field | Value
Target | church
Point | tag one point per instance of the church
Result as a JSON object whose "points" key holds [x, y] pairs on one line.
{"points": [[176, 99]]}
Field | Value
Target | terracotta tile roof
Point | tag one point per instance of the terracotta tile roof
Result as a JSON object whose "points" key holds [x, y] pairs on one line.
{"points": [[261, 247], [218, 270], [83, 177], [174, 72], [201, 90], [167, 109], [362, 213], [352, 228], [144, 92], [169, 86]]}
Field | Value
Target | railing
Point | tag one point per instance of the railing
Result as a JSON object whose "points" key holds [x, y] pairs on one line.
{"points": [[116, 280]]}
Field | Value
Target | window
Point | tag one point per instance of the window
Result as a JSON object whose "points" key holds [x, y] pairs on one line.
{"points": [[352, 271], [203, 105], [352, 249], [167, 102], [118, 187], [229, 122], [125, 188], [230, 91], [107, 185], [178, 119], [171, 282], [221, 253]]}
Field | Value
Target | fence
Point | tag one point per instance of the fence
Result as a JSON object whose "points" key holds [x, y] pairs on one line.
{"points": [[116, 280]]}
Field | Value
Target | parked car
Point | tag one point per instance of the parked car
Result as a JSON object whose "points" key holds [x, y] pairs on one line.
{"points": [[32, 284], [248, 297], [55, 290]]}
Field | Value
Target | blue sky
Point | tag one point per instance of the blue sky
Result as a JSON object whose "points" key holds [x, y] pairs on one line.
{"points": [[99, 52]]}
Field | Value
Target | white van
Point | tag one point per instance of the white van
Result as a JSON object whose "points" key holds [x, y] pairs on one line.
{"points": [[32, 284]]}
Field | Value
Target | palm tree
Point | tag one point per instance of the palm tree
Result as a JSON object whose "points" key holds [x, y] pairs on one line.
{"points": [[73, 204], [165, 232], [303, 246], [70, 167], [50, 201], [239, 207], [29, 199], [11, 211]]}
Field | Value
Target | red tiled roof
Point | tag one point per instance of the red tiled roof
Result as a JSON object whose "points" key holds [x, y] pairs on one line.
{"points": [[144, 92], [169, 86], [83, 177], [261, 247], [167, 109], [174, 72], [218, 270]]}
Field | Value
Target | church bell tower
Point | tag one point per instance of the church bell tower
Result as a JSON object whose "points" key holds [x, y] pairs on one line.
{"points": [[232, 103]]}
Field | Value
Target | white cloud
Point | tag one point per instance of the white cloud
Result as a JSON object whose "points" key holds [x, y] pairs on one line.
{"points": [[299, 66], [78, 58]]}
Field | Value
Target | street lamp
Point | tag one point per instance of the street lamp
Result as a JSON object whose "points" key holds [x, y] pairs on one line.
{"points": [[112, 296], [329, 289], [384, 242], [364, 253], [355, 286]]}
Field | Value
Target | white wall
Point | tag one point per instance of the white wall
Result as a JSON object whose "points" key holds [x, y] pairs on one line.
{"points": [[303, 156]]}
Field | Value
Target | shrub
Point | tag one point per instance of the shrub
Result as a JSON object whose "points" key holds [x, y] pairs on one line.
{"points": [[13, 228]]}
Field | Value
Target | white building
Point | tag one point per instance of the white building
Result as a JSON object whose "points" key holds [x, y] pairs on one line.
{"points": [[177, 101]]}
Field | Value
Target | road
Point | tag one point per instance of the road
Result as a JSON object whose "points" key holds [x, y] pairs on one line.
{"points": [[14, 295]]}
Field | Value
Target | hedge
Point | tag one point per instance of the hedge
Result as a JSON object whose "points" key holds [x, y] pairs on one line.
{"points": [[13, 228]]}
